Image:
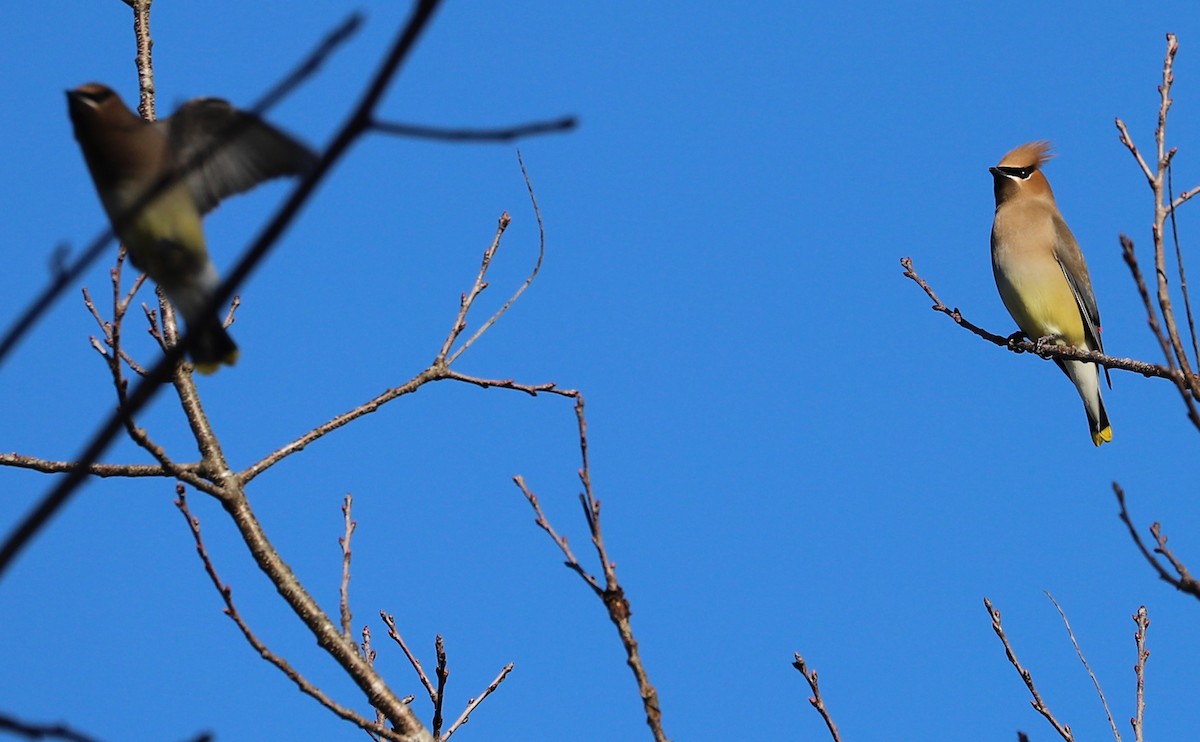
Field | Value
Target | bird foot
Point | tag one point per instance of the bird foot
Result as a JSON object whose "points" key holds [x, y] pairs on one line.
{"points": [[1039, 345]]}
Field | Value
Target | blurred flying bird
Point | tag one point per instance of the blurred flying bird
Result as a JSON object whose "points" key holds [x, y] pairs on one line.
{"points": [[206, 151]]}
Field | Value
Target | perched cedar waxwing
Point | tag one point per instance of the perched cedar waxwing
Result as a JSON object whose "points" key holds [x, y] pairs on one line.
{"points": [[1042, 276], [130, 157]]}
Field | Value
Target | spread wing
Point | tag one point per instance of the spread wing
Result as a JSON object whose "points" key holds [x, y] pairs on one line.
{"points": [[227, 151]]}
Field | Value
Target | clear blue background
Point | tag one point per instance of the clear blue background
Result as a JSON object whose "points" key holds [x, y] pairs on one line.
{"points": [[793, 452]]}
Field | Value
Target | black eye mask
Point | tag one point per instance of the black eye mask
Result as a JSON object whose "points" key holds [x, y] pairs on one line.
{"points": [[1018, 172]]}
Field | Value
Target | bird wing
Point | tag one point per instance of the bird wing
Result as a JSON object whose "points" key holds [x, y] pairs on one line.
{"points": [[227, 151], [1070, 259]]}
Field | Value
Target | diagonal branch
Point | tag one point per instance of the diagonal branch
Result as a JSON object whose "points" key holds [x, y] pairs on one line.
{"points": [[1043, 350], [815, 699], [146, 390], [1086, 666], [1182, 580], [611, 594], [231, 610], [1064, 730], [69, 274]]}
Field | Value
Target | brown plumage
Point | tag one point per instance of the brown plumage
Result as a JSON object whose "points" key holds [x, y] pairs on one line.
{"points": [[1041, 273], [211, 151]]}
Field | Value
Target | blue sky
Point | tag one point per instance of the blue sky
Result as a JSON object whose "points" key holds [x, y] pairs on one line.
{"points": [[793, 452]]}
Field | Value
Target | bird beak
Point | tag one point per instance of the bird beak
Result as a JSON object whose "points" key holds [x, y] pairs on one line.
{"points": [[994, 171], [77, 101]]}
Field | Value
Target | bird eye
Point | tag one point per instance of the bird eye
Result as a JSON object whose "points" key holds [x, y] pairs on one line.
{"points": [[1018, 172]]}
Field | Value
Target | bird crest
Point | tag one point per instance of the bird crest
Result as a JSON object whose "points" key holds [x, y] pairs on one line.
{"points": [[1030, 155]]}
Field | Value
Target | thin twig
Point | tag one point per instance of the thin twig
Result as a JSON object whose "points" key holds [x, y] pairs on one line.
{"points": [[439, 369], [268, 237], [1043, 350], [815, 699], [505, 134], [561, 541], [46, 466], [1130, 257], [474, 702], [1163, 207], [467, 300], [443, 674], [368, 652], [1096, 682], [29, 730], [537, 266], [611, 594], [1142, 619], [390, 622], [531, 389], [1182, 580], [231, 610], [1064, 730], [1183, 286], [69, 274], [344, 542]]}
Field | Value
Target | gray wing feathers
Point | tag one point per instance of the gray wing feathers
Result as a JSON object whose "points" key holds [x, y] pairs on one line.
{"points": [[238, 149], [1070, 259]]}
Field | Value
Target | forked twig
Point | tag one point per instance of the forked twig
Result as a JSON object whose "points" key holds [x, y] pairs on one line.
{"points": [[1182, 580], [611, 593], [231, 610]]}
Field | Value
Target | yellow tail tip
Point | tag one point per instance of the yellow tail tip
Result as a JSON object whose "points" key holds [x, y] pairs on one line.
{"points": [[1103, 436], [210, 367]]}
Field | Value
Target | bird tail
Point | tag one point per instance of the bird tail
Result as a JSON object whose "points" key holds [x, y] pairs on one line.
{"points": [[1101, 430], [1086, 378], [211, 346]]}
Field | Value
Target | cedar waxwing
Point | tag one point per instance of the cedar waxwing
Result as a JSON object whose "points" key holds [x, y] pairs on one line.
{"points": [[130, 157], [1041, 273]]}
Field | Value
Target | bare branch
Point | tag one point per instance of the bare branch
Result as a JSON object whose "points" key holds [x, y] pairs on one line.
{"points": [[439, 369], [261, 648], [537, 266], [561, 541], [506, 134], [1182, 580], [1064, 730], [344, 542], [145, 391], [366, 408], [1183, 286], [46, 466], [1111, 722], [69, 274], [468, 299], [443, 674], [612, 594], [29, 730], [1142, 619], [474, 702], [1164, 205], [815, 699], [1043, 350], [390, 621]]}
